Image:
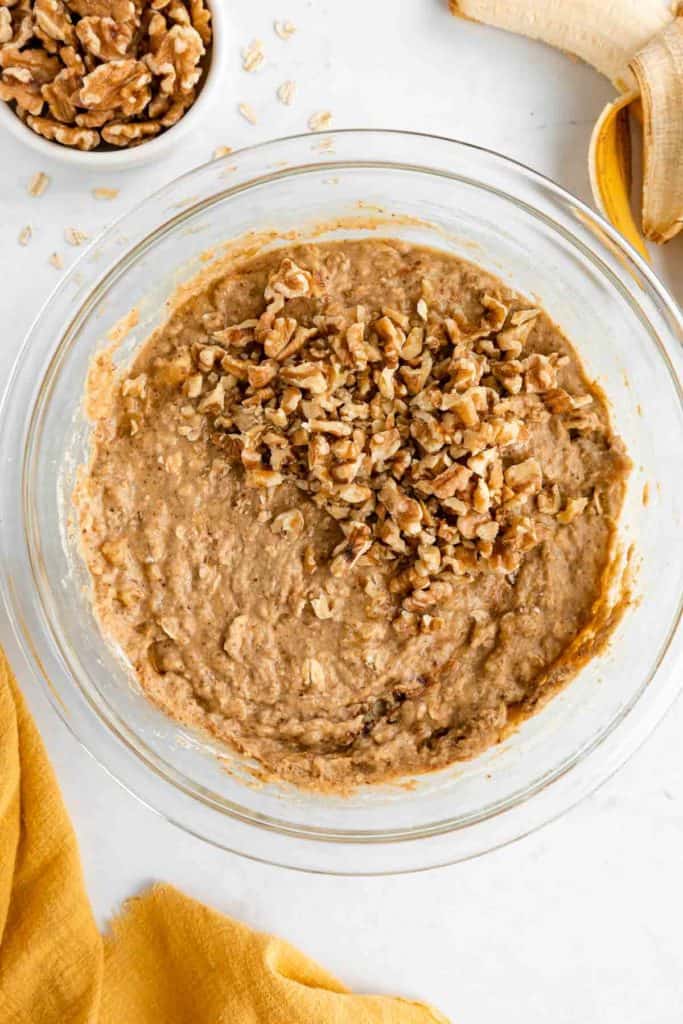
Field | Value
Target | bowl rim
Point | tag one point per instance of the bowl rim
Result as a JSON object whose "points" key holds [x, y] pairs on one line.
{"points": [[616, 242], [152, 149]]}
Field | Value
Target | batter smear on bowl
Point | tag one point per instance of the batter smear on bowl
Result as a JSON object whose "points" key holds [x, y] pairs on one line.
{"points": [[352, 510]]}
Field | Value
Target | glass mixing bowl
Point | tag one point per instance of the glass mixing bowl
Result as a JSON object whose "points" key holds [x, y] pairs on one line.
{"points": [[471, 202]]}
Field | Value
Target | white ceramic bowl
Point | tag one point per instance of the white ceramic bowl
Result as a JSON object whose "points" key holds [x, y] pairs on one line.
{"points": [[154, 149]]}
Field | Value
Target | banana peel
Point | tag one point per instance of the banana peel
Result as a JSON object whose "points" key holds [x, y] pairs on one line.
{"points": [[638, 45], [604, 33], [609, 164]]}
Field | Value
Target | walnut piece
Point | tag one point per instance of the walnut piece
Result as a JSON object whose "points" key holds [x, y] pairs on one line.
{"points": [[79, 138], [61, 93], [177, 60], [6, 27], [117, 85], [200, 17], [27, 96], [119, 10], [411, 429], [104, 37], [53, 19], [129, 133]]}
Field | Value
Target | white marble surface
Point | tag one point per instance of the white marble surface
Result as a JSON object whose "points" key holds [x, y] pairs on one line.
{"points": [[580, 922]]}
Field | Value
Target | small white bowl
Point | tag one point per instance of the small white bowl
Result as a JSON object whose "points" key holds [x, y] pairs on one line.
{"points": [[153, 149]]}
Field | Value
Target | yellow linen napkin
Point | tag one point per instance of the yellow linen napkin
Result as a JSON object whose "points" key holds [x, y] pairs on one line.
{"points": [[167, 960]]}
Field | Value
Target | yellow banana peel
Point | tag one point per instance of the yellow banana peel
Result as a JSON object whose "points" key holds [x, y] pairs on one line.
{"points": [[609, 163], [638, 45]]}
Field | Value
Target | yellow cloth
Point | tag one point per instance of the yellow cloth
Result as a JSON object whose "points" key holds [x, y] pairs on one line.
{"points": [[168, 958]]}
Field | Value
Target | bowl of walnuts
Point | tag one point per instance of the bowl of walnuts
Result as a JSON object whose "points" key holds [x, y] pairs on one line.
{"points": [[108, 82]]}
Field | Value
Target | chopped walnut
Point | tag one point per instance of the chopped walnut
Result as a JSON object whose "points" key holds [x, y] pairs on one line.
{"points": [[549, 502], [409, 436], [525, 477], [291, 523], [574, 507]]}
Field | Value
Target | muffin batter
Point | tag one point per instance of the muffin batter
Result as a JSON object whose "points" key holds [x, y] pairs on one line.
{"points": [[352, 510]]}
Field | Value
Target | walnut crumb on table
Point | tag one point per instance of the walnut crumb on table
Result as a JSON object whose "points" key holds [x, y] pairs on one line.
{"points": [[220, 151], [57, 261]]}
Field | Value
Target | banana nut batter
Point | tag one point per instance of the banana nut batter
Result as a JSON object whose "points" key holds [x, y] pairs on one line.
{"points": [[352, 510]]}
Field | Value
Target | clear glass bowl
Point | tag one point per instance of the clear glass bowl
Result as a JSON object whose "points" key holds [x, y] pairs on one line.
{"points": [[468, 201]]}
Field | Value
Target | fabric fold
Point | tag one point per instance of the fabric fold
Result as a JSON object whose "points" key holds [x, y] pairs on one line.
{"points": [[167, 959]]}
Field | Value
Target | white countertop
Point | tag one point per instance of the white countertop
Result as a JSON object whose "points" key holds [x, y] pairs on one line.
{"points": [[579, 922]]}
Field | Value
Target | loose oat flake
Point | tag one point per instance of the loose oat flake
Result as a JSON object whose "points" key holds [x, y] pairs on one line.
{"points": [[247, 112], [25, 235], [105, 193], [320, 121], [220, 151], [286, 93], [38, 184], [284, 29], [253, 56], [75, 237]]}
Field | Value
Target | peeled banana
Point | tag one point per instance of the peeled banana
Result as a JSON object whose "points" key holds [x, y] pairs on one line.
{"points": [[638, 45], [658, 69]]}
